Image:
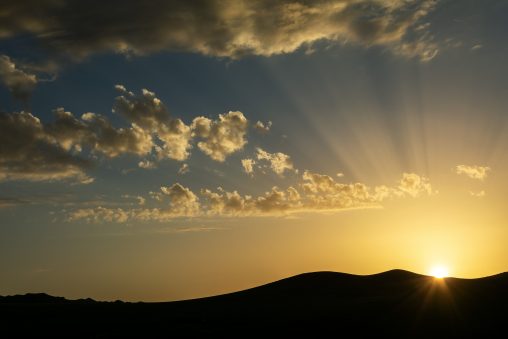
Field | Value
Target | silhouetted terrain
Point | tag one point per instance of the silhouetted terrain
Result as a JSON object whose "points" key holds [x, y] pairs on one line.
{"points": [[322, 304]]}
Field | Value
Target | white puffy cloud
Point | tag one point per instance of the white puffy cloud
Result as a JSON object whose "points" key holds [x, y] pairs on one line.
{"points": [[223, 28], [221, 137], [278, 162], [473, 172], [19, 82]]}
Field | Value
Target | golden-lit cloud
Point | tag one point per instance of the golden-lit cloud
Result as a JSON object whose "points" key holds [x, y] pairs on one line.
{"points": [[175, 201], [278, 162], [248, 166], [273, 202], [100, 214], [414, 185], [183, 201], [473, 172], [223, 28], [63, 147], [221, 137], [315, 193], [148, 112]]}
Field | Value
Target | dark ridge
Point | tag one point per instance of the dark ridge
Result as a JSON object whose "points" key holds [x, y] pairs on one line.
{"points": [[320, 304], [40, 298]]}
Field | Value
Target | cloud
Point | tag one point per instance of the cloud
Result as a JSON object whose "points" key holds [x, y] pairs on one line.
{"points": [[414, 185], [27, 152], [62, 148], [279, 162], [222, 137], [139, 199], [147, 164], [182, 203], [222, 28], [19, 82], [323, 192], [95, 131], [479, 194], [219, 138], [273, 202], [474, 172], [248, 166], [315, 193], [151, 115], [112, 142], [183, 169], [263, 128], [100, 214]]}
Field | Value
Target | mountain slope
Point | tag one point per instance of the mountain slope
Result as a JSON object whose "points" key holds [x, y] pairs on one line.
{"points": [[314, 304]]}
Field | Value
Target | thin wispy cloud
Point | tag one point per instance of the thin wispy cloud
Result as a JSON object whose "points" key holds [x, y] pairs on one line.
{"points": [[473, 172]]}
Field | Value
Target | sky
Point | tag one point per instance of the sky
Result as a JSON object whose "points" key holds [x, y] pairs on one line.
{"points": [[172, 149]]}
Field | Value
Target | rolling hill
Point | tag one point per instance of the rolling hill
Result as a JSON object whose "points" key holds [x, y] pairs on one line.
{"points": [[319, 304]]}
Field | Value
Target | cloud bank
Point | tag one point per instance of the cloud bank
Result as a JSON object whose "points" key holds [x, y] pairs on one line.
{"points": [[221, 28], [314, 193]]}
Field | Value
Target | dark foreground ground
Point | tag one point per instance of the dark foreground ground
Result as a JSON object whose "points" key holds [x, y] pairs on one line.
{"points": [[322, 304]]}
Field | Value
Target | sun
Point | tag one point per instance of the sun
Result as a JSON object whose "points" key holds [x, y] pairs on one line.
{"points": [[439, 272]]}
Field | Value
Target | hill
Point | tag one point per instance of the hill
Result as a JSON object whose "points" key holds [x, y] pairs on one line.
{"points": [[320, 304]]}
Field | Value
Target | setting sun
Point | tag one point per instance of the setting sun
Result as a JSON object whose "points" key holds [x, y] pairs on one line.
{"points": [[439, 272]]}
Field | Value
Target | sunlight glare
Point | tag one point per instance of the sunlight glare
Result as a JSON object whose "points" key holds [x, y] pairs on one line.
{"points": [[439, 272]]}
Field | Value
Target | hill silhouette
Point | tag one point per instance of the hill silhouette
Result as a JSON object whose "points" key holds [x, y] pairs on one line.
{"points": [[320, 304]]}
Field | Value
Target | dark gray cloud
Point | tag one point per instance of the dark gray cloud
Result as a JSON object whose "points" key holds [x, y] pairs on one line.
{"points": [[223, 28], [27, 153], [19, 82]]}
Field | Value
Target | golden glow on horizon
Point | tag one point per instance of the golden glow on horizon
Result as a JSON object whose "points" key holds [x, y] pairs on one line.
{"points": [[439, 272]]}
